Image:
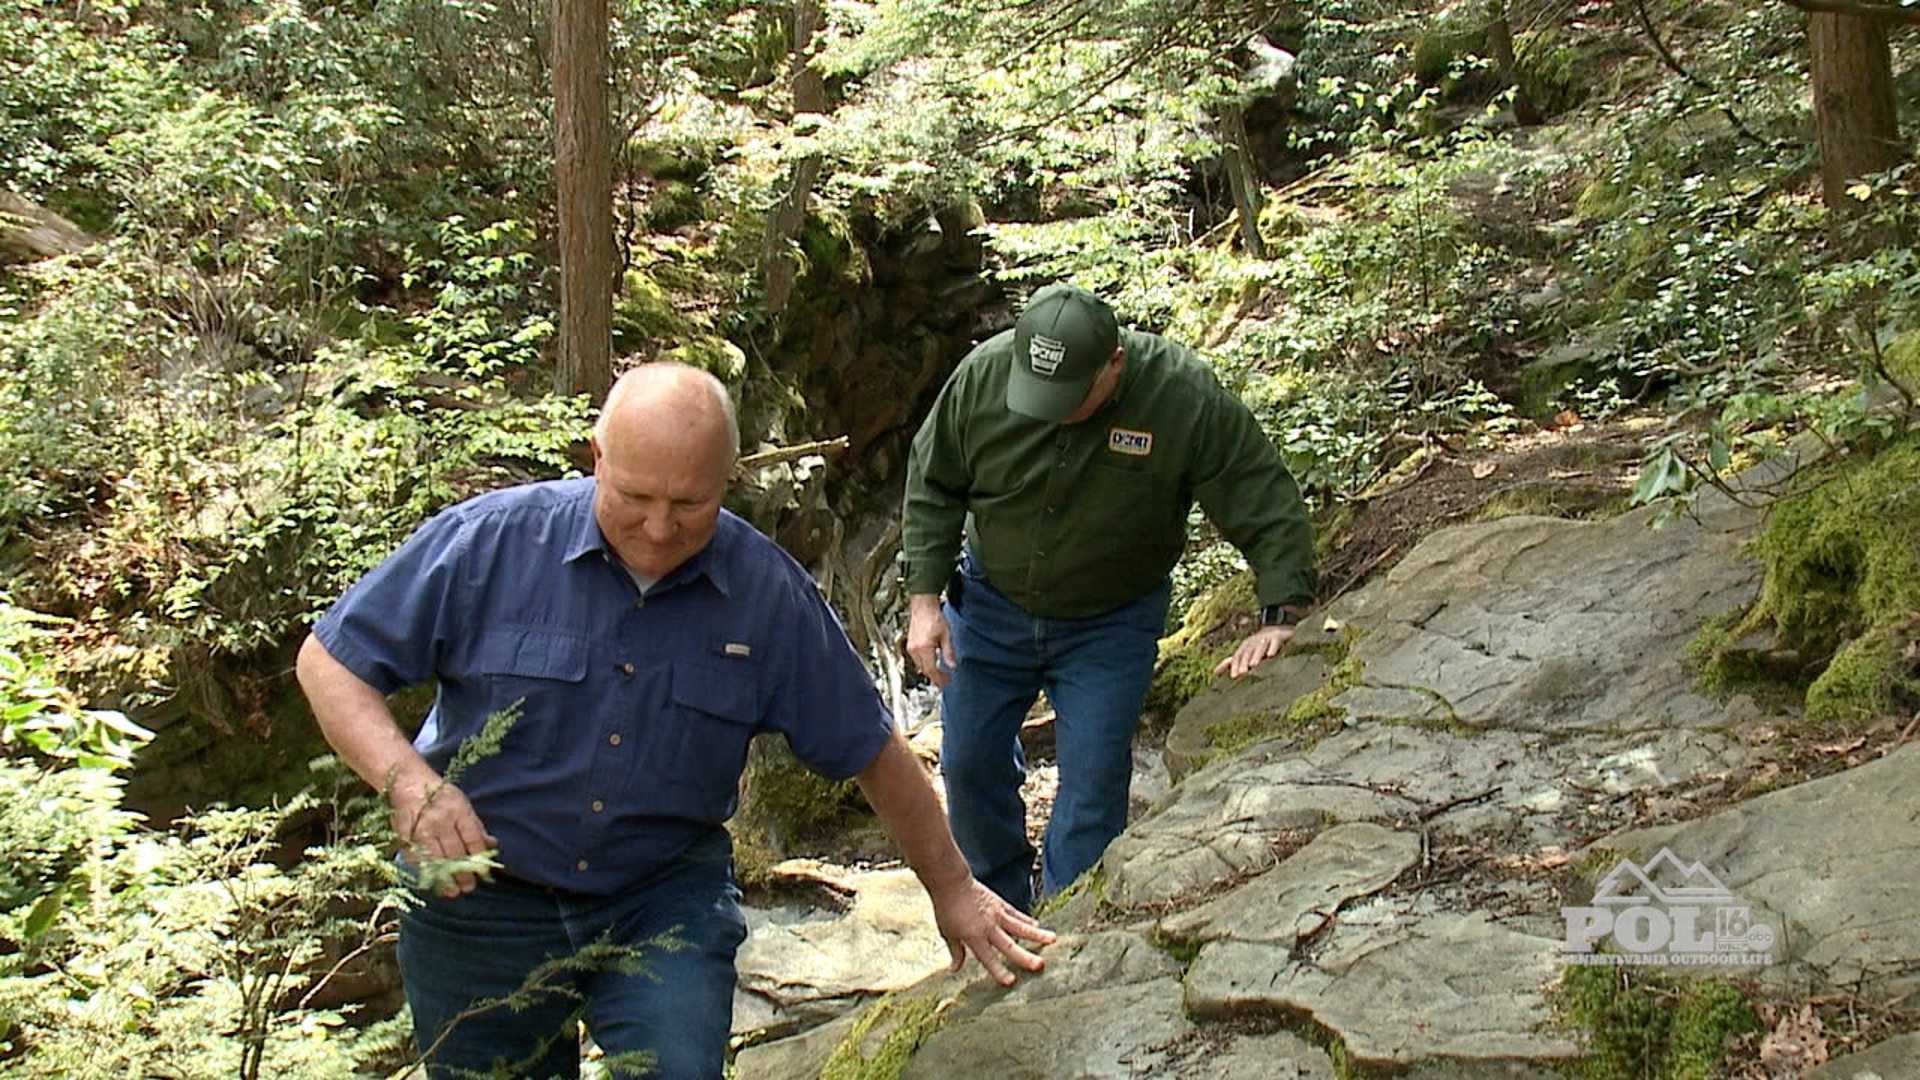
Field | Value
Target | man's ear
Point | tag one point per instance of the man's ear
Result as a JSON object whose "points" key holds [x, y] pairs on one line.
{"points": [[593, 444]]}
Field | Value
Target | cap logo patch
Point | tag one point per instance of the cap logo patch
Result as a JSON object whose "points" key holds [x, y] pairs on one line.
{"points": [[1045, 354], [1125, 441]]}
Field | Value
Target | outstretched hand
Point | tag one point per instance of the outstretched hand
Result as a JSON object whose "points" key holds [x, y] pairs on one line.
{"points": [[1261, 645], [973, 919]]}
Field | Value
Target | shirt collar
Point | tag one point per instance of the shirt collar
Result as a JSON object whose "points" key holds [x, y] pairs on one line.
{"points": [[585, 539]]}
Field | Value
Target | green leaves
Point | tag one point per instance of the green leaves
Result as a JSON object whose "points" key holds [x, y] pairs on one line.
{"points": [[1661, 474]]}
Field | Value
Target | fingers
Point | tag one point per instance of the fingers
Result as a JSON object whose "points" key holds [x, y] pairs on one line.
{"points": [[441, 824], [992, 938], [930, 647], [1257, 649]]}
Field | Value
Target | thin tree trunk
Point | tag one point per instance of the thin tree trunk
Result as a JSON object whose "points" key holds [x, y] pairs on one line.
{"points": [[1242, 182], [583, 187], [1853, 103], [1500, 39], [778, 264]]}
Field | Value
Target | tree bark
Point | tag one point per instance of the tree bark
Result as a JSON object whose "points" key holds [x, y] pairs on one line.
{"points": [[778, 265], [30, 232], [1853, 103], [1244, 185], [583, 188], [1500, 39]]}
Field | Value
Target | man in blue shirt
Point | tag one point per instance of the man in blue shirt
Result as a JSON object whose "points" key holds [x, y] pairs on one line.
{"points": [[644, 634]]}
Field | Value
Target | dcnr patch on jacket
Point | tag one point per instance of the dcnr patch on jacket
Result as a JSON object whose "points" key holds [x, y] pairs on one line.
{"points": [[1127, 441]]}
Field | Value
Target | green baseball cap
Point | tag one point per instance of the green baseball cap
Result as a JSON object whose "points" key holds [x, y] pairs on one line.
{"points": [[1060, 343]]}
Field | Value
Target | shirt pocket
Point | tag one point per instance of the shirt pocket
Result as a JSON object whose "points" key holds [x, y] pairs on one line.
{"points": [[541, 672], [714, 712]]}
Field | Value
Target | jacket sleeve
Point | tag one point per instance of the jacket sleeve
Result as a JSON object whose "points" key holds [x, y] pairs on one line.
{"points": [[1245, 489], [939, 478]]}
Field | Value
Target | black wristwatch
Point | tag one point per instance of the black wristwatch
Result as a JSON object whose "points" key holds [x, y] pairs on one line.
{"points": [[1279, 615]]}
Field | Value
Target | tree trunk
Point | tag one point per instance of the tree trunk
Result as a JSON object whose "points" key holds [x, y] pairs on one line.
{"points": [[778, 264], [30, 232], [1853, 103], [1500, 39], [1241, 180], [583, 188]]}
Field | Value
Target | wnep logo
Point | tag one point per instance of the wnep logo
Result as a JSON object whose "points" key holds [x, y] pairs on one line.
{"points": [[1665, 913]]}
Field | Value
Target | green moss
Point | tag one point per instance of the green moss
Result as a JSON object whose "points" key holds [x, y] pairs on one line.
{"points": [[1639, 1024], [1183, 673], [787, 809], [831, 252], [1860, 683], [1841, 586], [1597, 863], [1318, 707], [1307, 713], [1243, 729], [1189, 654], [1549, 69], [911, 1022], [644, 310], [1093, 882], [1444, 44], [1183, 949], [1547, 500], [712, 354], [1902, 357]]}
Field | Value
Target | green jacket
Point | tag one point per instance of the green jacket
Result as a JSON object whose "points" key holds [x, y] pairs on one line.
{"points": [[1075, 520]]}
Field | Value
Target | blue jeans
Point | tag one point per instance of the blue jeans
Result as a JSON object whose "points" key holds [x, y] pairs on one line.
{"points": [[1096, 672], [671, 998]]}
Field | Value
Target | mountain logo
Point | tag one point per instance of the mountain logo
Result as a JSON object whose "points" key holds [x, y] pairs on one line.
{"points": [[1667, 911]]}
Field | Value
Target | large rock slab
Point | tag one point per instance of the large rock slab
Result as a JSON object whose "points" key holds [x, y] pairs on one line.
{"points": [[1078, 965], [1894, 1059], [1831, 860], [1453, 990], [1548, 625], [1112, 1034], [1537, 789], [803, 966], [1300, 897]]}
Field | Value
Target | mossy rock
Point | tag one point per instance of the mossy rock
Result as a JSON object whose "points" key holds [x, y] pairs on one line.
{"points": [[712, 354], [1207, 634], [1445, 43], [787, 810], [644, 310], [831, 251], [1841, 589], [1549, 71], [886, 1037]]}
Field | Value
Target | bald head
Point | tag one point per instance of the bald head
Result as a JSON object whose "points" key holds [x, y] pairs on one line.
{"points": [[663, 450], [670, 398]]}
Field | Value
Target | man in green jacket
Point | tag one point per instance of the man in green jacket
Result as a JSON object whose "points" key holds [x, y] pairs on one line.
{"points": [[1047, 496]]}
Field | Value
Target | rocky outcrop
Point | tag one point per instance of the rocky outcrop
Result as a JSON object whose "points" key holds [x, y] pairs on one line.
{"points": [[1393, 884]]}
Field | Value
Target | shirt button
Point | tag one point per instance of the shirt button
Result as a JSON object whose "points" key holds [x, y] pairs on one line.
{"points": [[640, 603], [581, 865], [598, 806], [626, 670], [613, 739]]}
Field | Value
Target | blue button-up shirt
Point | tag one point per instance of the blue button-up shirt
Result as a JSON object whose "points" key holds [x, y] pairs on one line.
{"points": [[635, 709]]}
